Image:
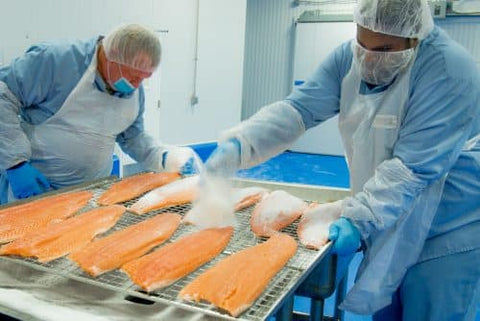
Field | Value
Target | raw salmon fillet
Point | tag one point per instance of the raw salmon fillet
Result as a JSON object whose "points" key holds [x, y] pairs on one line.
{"points": [[16, 221], [179, 192], [25, 207], [56, 240], [237, 281], [245, 197], [314, 227], [112, 251], [275, 211], [131, 187], [175, 260]]}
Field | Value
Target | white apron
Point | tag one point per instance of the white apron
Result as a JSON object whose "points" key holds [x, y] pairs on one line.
{"points": [[76, 144], [369, 126]]}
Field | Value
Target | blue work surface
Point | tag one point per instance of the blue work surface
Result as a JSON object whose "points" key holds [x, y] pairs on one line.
{"points": [[301, 168], [293, 167]]}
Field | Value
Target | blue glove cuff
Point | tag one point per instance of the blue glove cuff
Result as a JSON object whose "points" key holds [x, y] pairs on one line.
{"points": [[345, 235]]}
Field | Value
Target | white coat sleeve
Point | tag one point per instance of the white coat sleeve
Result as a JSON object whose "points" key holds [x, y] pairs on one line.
{"points": [[14, 145], [267, 133], [277, 126]]}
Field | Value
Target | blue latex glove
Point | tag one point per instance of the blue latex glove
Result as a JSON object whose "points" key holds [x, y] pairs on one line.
{"points": [[225, 159], [345, 235], [181, 159], [25, 181]]}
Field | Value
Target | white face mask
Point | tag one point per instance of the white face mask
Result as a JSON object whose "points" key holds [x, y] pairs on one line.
{"points": [[380, 67]]}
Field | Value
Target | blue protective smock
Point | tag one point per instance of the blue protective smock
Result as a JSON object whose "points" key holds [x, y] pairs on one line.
{"points": [[35, 86]]}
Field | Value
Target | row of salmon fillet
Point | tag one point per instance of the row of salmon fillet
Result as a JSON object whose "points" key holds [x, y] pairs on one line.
{"points": [[48, 229]]}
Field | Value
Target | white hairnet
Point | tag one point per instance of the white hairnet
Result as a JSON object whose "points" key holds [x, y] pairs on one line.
{"points": [[401, 18], [134, 46]]}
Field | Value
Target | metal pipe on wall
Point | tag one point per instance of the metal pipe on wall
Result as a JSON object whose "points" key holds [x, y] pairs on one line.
{"points": [[194, 97]]}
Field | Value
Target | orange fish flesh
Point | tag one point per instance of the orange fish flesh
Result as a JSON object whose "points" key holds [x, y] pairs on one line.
{"points": [[175, 260], [19, 220], [133, 186], [112, 251], [237, 281], [56, 240]]}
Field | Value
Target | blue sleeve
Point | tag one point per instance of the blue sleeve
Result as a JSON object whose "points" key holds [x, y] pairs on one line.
{"points": [[45, 75], [30, 76], [442, 110], [25, 83], [318, 99]]}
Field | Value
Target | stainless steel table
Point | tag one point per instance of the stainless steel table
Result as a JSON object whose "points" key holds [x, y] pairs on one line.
{"points": [[33, 291]]}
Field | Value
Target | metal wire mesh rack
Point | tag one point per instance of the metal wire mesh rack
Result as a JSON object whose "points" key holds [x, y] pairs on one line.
{"points": [[279, 288]]}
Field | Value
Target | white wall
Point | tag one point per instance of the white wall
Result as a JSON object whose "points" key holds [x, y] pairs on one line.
{"points": [[313, 43], [464, 30], [221, 28], [219, 70]]}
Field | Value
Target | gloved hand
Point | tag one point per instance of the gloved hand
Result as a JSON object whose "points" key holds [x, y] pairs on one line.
{"points": [[314, 226], [225, 159], [345, 235], [183, 160], [25, 181]]}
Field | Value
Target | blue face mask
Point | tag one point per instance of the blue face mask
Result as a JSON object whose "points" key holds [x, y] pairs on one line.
{"points": [[123, 85]]}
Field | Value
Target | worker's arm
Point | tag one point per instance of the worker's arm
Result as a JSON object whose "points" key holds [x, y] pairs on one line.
{"points": [[277, 126], [23, 84]]}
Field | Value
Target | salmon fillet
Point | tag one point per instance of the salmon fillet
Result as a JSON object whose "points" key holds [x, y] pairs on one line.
{"points": [[237, 281], [131, 187], [245, 197], [179, 192], [19, 220], [112, 251], [56, 240], [25, 207], [275, 211], [175, 260], [314, 227]]}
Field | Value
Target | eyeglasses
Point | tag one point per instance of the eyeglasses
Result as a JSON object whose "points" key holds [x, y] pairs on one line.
{"points": [[386, 47]]}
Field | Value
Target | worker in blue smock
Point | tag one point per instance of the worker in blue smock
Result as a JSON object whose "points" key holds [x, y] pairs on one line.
{"points": [[408, 100], [64, 105]]}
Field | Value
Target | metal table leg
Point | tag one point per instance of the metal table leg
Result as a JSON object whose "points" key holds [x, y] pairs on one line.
{"points": [[285, 312], [340, 295], [319, 285], [316, 310]]}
